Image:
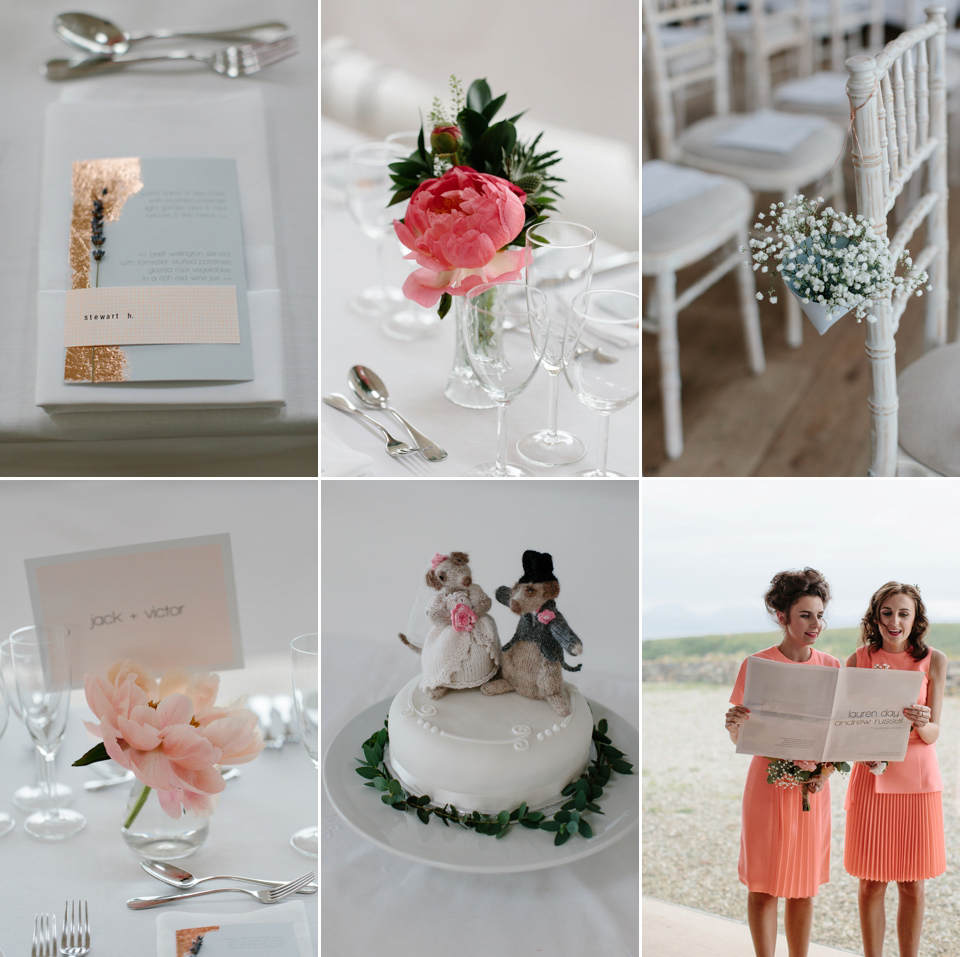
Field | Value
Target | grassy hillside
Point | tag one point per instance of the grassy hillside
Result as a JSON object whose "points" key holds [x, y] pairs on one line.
{"points": [[839, 642]]}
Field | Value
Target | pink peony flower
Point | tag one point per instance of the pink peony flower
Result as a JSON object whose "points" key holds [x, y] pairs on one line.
{"points": [[806, 765], [545, 616], [463, 617], [170, 733], [456, 228]]}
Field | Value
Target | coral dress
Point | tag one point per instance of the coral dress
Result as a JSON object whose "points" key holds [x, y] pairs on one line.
{"points": [[784, 850], [895, 820]]}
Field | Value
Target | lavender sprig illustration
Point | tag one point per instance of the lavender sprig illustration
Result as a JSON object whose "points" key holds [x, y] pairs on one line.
{"points": [[96, 233], [197, 944]]}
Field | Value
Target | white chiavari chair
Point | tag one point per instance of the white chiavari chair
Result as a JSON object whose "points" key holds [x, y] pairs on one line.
{"points": [[898, 101], [716, 143]]}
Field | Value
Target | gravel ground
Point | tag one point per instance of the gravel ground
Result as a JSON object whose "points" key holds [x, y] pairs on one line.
{"points": [[692, 786]]}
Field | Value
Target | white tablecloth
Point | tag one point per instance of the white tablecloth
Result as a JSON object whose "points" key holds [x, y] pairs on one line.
{"points": [[415, 372], [587, 907], [199, 442], [275, 795]]}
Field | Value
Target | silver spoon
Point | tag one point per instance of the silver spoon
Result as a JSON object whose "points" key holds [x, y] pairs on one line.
{"points": [[341, 402], [368, 387], [101, 38], [178, 877]]}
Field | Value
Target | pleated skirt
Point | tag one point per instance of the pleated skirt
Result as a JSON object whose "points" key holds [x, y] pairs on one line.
{"points": [[892, 837], [784, 850]]}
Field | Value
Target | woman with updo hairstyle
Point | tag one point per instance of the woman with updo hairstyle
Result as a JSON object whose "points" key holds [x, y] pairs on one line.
{"points": [[784, 850], [894, 826]]}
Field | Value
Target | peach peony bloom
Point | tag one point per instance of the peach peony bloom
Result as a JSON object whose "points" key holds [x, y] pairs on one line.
{"points": [[170, 733], [456, 228]]}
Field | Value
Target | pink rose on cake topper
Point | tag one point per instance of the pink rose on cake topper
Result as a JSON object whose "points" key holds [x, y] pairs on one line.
{"points": [[462, 617]]}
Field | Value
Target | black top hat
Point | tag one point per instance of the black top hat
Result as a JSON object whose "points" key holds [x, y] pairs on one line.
{"points": [[537, 567]]}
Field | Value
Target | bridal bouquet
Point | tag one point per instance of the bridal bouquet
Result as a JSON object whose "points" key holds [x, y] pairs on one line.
{"points": [[794, 774], [830, 258], [169, 733], [474, 190]]}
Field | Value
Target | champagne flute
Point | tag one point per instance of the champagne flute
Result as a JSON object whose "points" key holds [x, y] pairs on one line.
{"points": [[41, 666], [503, 361], [602, 340], [306, 697], [560, 263], [7, 823], [29, 797]]}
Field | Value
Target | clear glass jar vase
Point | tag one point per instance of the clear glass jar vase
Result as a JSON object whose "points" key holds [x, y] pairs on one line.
{"points": [[152, 833], [462, 387]]}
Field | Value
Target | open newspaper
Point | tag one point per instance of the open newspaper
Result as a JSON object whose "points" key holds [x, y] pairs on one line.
{"points": [[817, 713]]}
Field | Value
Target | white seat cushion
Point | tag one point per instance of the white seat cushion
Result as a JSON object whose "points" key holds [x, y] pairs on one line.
{"points": [[929, 415], [759, 169], [688, 229]]}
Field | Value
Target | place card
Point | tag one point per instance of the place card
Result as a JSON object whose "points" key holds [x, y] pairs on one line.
{"points": [[169, 604], [157, 273]]}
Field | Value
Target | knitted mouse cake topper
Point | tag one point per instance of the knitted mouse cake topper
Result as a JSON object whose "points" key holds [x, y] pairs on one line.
{"points": [[462, 649], [532, 662]]}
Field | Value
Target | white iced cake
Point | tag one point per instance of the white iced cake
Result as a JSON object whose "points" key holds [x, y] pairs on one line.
{"points": [[487, 752]]}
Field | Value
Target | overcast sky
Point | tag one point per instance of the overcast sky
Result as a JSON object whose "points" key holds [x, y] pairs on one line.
{"points": [[711, 546]]}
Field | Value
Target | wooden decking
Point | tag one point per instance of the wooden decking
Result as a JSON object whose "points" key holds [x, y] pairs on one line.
{"points": [[670, 930], [805, 416]]}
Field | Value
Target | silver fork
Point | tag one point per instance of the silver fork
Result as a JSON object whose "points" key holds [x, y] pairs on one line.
{"points": [[75, 938], [44, 936], [270, 895], [233, 61]]}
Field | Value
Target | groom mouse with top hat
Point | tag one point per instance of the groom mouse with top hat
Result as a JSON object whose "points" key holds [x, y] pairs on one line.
{"points": [[532, 661]]}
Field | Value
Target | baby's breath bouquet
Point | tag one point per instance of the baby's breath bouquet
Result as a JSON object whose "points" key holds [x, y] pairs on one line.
{"points": [[829, 258]]}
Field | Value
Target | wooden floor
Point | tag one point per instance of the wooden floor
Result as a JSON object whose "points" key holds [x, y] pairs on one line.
{"points": [[673, 931], [805, 416]]}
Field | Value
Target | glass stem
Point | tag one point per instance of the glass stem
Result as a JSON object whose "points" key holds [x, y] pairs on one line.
{"points": [[604, 442], [382, 264], [553, 399], [501, 438], [46, 782]]}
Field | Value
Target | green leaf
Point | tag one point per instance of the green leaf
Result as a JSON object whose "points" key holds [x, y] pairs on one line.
{"points": [[595, 808], [380, 783], [97, 753], [473, 125], [502, 831], [534, 816], [394, 786], [561, 838], [446, 300], [366, 772], [569, 806], [602, 725], [386, 798], [423, 815], [399, 805], [446, 823], [585, 829], [562, 816], [572, 827], [372, 755], [580, 800], [569, 789], [622, 767], [503, 817], [478, 96], [526, 822], [382, 737], [610, 751], [550, 826], [491, 108]]}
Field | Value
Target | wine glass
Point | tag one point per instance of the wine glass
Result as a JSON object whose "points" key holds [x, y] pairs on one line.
{"points": [[602, 340], [29, 797], [7, 823], [41, 666], [498, 323], [306, 697], [560, 264]]}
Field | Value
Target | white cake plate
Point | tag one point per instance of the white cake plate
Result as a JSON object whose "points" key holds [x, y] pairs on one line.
{"points": [[458, 849]]}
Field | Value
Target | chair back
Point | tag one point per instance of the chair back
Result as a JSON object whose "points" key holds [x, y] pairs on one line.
{"points": [[855, 26], [898, 99], [684, 51]]}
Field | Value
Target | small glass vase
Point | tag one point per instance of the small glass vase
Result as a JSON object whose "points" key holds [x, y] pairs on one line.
{"points": [[462, 387], [152, 833]]}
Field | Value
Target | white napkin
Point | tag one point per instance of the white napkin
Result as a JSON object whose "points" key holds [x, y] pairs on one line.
{"points": [[101, 118], [338, 459], [664, 184], [170, 921], [770, 131]]}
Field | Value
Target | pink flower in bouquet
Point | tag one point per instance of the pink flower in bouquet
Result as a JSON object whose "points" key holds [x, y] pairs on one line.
{"points": [[806, 765], [463, 617], [170, 733], [455, 228]]}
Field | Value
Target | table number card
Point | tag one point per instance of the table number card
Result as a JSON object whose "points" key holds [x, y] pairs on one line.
{"points": [[234, 940], [157, 273], [168, 604]]}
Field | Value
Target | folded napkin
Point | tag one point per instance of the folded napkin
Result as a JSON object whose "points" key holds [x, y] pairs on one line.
{"points": [[664, 184], [770, 131], [100, 119], [338, 459], [257, 941]]}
